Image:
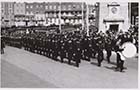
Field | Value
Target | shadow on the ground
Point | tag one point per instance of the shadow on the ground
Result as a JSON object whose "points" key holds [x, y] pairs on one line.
{"points": [[93, 63], [111, 68], [113, 63]]}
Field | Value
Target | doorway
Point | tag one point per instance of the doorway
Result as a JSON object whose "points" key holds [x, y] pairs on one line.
{"points": [[114, 27]]}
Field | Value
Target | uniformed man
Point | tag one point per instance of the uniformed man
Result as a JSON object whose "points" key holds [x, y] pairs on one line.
{"points": [[54, 48], [62, 49], [85, 46], [100, 51], [70, 50], [94, 46], [108, 48], [120, 58], [49, 46], [77, 52], [2, 45]]}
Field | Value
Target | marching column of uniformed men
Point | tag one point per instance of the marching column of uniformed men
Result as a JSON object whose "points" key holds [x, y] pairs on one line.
{"points": [[72, 46], [54, 45]]}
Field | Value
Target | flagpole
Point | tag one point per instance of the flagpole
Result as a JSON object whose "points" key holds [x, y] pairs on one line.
{"points": [[87, 22], [82, 15], [60, 16]]}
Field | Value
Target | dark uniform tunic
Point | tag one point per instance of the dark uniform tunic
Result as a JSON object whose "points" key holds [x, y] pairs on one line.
{"points": [[120, 62], [62, 50], [108, 48], [100, 50]]}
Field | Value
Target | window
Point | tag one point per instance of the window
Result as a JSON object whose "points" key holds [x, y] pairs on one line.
{"points": [[54, 7], [17, 11], [46, 7], [28, 13], [69, 6], [1, 11], [37, 6], [78, 6], [46, 14], [27, 6], [74, 6], [41, 18], [50, 15], [63, 7], [31, 13], [41, 6], [10, 11], [54, 14], [2, 5], [17, 5], [37, 18], [9, 5], [50, 7], [31, 6]]}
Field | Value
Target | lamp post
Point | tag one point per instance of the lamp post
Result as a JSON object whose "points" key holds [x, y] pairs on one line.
{"points": [[87, 21], [97, 15], [82, 16], [60, 16]]}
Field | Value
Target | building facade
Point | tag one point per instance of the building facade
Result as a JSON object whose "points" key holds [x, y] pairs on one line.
{"points": [[72, 13], [113, 16], [133, 13], [35, 14], [52, 13], [47, 13], [7, 14], [19, 14]]}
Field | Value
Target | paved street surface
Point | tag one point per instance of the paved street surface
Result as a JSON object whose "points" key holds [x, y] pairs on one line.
{"points": [[12, 76], [21, 68]]}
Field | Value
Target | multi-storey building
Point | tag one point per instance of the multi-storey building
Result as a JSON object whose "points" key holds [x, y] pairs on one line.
{"points": [[113, 16], [7, 14], [133, 10], [35, 13], [46, 13], [39, 12], [73, 13], [52, 12], [19, 14], [92, 14], [68, 13]]}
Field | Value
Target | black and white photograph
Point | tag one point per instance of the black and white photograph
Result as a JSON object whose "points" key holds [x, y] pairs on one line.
{"points": [[83, 44]]}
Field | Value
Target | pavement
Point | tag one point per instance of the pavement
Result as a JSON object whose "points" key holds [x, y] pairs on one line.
{"points": [[12, 76], [21, 68]]}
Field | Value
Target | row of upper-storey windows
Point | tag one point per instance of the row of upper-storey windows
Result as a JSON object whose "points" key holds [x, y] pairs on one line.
{"points": [[55, 6], [31, 6], [41, 6], [10, 5], [8, 11], [19, 5]]}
